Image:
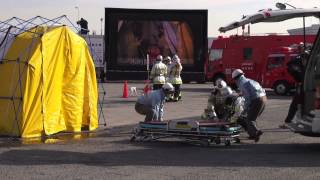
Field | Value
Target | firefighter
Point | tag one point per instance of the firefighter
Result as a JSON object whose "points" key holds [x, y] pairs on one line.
{"points": [[216, 102], [296, 68], [158, 73], [175, 78], [83, 25], [235, 107], [255, 101], [168, 62], [152, 103]]}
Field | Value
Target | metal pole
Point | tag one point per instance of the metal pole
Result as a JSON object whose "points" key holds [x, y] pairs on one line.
{"points": [[148, 62], [304, 33], [290, 5]]}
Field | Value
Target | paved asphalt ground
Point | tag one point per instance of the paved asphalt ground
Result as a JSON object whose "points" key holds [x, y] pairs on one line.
{"points": [[108, 154]]}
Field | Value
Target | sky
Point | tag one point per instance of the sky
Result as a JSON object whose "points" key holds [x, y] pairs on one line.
{"points": [[220, 12]]}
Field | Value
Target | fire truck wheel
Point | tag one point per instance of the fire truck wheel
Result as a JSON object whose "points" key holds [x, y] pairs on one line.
{"points": [[281, 88]]}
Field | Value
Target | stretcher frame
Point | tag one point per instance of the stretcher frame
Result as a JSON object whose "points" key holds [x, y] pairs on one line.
{"points": [[206, 134]]}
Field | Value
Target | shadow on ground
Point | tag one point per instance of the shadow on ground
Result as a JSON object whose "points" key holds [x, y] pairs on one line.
{"points": [[177, 154], [168, 153]]}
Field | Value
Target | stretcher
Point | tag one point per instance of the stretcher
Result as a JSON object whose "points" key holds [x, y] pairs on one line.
{"points": [[200, 132]]}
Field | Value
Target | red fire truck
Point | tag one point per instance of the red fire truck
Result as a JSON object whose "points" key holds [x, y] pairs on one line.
{"points": [[262, 58]]}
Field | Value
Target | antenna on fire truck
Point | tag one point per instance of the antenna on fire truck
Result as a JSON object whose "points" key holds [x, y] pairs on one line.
{"points": [[243, 26]]}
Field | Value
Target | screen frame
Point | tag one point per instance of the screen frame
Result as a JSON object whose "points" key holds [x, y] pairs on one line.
{"points": [[113, 15]]}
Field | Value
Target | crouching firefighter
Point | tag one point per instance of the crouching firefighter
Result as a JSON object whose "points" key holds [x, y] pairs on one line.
{"points": [[216, 107], [235, 109], [151, 104]]}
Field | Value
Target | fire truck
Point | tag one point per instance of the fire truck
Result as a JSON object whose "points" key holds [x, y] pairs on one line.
{"points": [[262, 58]]}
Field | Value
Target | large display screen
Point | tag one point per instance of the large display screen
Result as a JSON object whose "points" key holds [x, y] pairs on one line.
{"points": [[138, 40], [135, 37]]}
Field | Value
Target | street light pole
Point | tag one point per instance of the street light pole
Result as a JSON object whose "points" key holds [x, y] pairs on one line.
{"points": [[101, 19], [78, 11]]}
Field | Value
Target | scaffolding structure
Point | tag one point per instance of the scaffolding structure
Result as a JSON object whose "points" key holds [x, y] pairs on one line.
{"points": [[11, 28]]}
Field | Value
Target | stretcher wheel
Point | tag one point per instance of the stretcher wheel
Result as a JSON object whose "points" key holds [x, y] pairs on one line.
{"points": [[205, 143], [139, 132], [133, 138], [227, 142], [217, 140]]}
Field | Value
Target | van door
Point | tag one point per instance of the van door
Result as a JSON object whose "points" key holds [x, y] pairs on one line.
{"points": [[310, 109], [312, 80]]}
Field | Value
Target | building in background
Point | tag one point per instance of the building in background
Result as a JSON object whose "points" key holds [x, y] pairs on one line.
{"points": [[210, 40], [311, 30], [96, 44]]}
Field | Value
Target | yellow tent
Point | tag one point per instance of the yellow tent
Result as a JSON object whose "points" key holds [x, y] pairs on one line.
{"points": [[48, 84]]}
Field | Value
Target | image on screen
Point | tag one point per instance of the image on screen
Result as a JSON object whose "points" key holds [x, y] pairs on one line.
{"points": [[138, 38]]}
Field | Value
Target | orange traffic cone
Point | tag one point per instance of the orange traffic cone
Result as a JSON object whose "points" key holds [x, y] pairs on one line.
{"points": [[125, 90]]}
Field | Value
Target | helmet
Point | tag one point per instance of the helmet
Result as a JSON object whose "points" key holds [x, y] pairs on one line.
{"points": [[301, 44], [168, 58], [168, 87], [221, 83], [176, 58], [159, 58], [236, 73]]}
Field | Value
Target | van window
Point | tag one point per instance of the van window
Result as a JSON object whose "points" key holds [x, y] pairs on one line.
{"points": [[215, 54], [275, 62], [312, 74], [311, 79], [247, 53]]}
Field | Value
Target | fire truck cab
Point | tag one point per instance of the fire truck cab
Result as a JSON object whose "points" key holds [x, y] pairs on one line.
{"points": [[275, 74]]}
